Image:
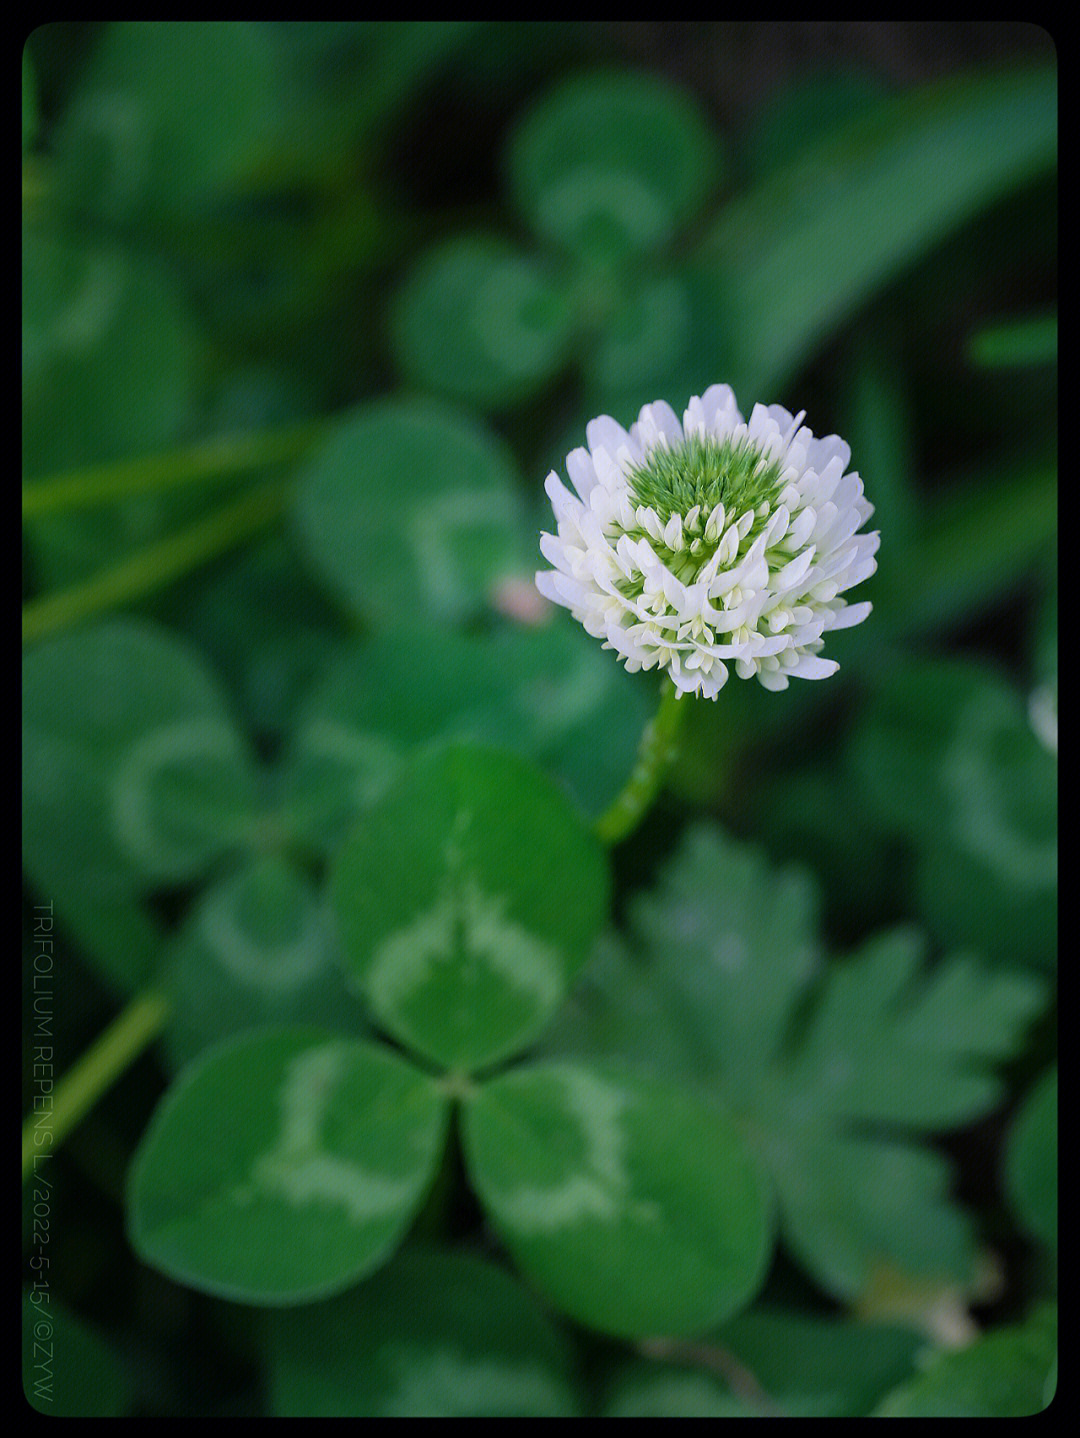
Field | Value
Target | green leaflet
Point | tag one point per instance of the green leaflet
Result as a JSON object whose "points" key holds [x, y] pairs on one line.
{"points": [[1010, 1373], [607, 164], [780, 1364], [633, 1206], [549, 693], [947, 759], [410, 509], [435, 1334], [68, 1370], [134, 776], [482, 321], [283, 1166], [467, 899], [255, 950], [1031, 1161]]}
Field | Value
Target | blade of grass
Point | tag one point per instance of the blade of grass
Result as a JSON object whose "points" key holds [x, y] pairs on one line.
{"points": [[211, 461], [158, 564]]}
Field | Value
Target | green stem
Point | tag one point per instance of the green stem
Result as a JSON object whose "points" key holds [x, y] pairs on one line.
{"points": [[659, 745], [157, 564], [211, 461], [89, 1077]]}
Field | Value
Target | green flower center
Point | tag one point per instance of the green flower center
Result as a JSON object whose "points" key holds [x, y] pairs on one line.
{"points": [[704, 471]]}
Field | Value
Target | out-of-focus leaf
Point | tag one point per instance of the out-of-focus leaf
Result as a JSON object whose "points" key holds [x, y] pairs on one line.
{"points": [[482, 321], [108, 372], [767, 1363], [467, 898], [283, 1166], [168, 114], [1031, 1161], [548, 694], [256, 950], [436, 1334], [612, 163], [974, 546], [411, 509], [1016, 343], [947, 759], [128, 750], [1006, 1374], [798, 254], [803, 113], [30, 112], [268, 630], [633, 1205], [68, 1370]]}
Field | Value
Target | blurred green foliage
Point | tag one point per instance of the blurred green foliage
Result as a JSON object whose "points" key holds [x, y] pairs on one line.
{"points": [[309, 312]]}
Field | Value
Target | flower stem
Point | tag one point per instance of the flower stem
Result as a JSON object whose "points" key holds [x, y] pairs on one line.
{"points": [[659, 745], [98, 1068]]}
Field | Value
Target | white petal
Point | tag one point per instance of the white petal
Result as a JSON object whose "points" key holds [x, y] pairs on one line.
{"points": [[657, 423], [604, 433], [850, 614], [579, 467]]}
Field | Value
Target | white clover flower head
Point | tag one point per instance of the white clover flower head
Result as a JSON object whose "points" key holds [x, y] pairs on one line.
{"points": [[691, 545]]}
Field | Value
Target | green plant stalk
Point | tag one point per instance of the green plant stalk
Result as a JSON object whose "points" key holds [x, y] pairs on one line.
{"points": [[656, 752], [212, 461], [157, 564], [96, 1071]]}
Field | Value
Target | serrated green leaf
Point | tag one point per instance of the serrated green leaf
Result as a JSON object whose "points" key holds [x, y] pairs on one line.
{"points": [[110, 716], [482, 321], [611, 163], [734, 961], [436, 1334], [282, 1167], [255, 950], [633, 1206], [1006, 1374], [856, 1210], [411, 509], [889, 1043], [806, 1363], [1031, 1161], [467, 899]]}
